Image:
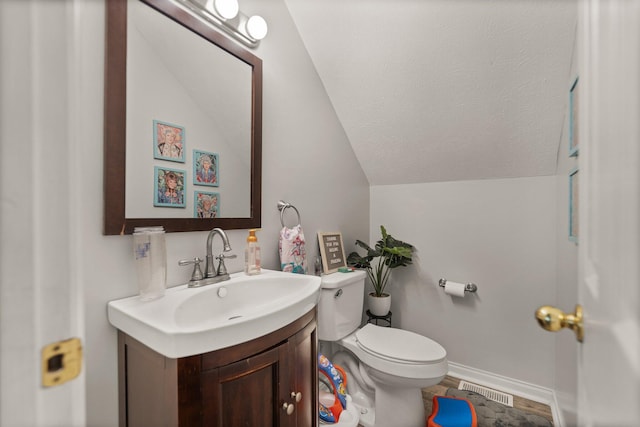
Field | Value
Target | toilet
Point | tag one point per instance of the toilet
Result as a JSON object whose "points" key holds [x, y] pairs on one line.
{"points": [[386, 367]]}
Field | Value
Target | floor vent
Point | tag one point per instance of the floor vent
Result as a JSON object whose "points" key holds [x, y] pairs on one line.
{"points": [[489, 393]]}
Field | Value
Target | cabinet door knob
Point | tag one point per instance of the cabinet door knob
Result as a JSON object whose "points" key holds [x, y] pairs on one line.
{"points": [[288, 408], [297, 396]]}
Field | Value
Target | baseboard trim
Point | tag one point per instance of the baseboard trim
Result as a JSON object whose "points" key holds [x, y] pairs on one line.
{"points": [[509, 385], [558, 419]]}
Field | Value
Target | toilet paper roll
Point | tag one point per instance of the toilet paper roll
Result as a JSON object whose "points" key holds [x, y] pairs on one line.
{"points": [[455, 289]]}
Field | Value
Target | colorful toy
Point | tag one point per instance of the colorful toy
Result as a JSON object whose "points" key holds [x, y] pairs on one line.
{"points": [[452, 412], [338, 384]]}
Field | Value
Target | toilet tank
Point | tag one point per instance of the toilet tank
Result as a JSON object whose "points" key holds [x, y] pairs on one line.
{"points": [[340, 305]]}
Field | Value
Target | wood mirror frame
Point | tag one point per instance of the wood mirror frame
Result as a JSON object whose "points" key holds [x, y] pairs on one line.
{"points": [[115, 221]]}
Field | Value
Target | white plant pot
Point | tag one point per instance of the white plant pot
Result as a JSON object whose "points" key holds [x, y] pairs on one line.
{"points": [[379, 306]]}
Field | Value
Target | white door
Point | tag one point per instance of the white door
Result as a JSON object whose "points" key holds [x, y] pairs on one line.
{"points": [[40, 286], [609, 199]]}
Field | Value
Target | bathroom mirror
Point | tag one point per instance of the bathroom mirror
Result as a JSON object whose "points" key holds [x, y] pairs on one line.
{"points": [[173, 81]]}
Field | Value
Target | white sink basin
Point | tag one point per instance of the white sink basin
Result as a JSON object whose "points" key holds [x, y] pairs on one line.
{"points": [[189, 321]]}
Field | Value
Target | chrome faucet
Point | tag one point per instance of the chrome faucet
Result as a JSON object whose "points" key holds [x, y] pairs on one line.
{"points": [[211, 274], [210, 270]]}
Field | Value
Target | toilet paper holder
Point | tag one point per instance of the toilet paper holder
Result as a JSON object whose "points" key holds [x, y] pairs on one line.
{"points": [[469, 287]]}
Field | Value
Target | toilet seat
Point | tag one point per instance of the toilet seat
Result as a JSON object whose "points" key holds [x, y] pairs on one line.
{"points": [[416, 357], [398, 345]]}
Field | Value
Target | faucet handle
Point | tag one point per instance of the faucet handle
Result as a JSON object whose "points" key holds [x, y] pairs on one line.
{"points": [[197, 273], [222, 269]]}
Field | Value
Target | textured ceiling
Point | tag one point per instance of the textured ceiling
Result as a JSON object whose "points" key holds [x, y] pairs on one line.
{"points": [[442, 90]]}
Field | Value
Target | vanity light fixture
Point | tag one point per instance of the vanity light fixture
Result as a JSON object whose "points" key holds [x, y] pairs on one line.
{"points": [[226, 16], [227, 9], [257, 27]]}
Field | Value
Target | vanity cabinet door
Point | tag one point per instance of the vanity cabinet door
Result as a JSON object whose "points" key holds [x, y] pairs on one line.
{"points": [[247, 392], [303, 351], [263, 390]]}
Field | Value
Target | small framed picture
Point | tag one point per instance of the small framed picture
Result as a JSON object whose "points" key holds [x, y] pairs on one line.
{"points": [[331, 251], [573, 119], [168, 141], [169, 187], [206, 205], [573, 205], [205, 168]]}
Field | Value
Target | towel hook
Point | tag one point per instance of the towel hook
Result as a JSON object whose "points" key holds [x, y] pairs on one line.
{"points": [[282, 206]]}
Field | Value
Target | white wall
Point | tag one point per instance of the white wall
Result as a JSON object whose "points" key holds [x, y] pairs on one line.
{"points": [[499, 234]]}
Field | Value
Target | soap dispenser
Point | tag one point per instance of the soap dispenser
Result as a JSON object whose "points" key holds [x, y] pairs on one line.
{"points": [[252, 254]]}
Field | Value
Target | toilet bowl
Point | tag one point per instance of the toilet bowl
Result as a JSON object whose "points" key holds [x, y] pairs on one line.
{"points": [[386, 367], [396, 364]]}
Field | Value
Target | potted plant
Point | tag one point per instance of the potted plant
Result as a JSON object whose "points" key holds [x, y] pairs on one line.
{"points": [[388, 253]]}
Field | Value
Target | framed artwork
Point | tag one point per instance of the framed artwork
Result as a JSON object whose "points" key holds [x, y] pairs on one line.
{"points": [[573, 119], [331, 251], [168, 141], [205, 168], [573, 205], [169, 187], [206, 205]]}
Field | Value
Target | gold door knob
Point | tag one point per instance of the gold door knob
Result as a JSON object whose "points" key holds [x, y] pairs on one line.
{"points": [[553, 319]]}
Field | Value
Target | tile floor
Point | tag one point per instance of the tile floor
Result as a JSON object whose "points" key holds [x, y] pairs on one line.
{"points": [[518, 402]]}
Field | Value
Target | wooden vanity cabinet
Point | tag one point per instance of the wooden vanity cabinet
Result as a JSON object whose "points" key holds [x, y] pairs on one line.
{"points": [[250, 384]]}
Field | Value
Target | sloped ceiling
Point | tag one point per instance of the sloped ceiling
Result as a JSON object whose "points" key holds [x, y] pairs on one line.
{"points": [[443, 90]]}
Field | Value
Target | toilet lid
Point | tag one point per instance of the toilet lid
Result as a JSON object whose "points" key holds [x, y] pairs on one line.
{"points": [[399, 344]]}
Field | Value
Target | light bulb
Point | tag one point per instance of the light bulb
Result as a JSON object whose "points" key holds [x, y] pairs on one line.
{"points": [[228, 9], [257, 27]]}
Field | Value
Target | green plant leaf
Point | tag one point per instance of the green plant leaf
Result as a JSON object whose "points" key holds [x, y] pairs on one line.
{"points": [[358, 261], [371, 252], [383, 231], [390, 252]]}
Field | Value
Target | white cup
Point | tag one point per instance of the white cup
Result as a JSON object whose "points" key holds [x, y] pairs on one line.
{"points": [[150, 254]]}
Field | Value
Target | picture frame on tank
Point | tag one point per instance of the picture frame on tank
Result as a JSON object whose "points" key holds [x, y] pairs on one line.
{"points": [[331, 251]]}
